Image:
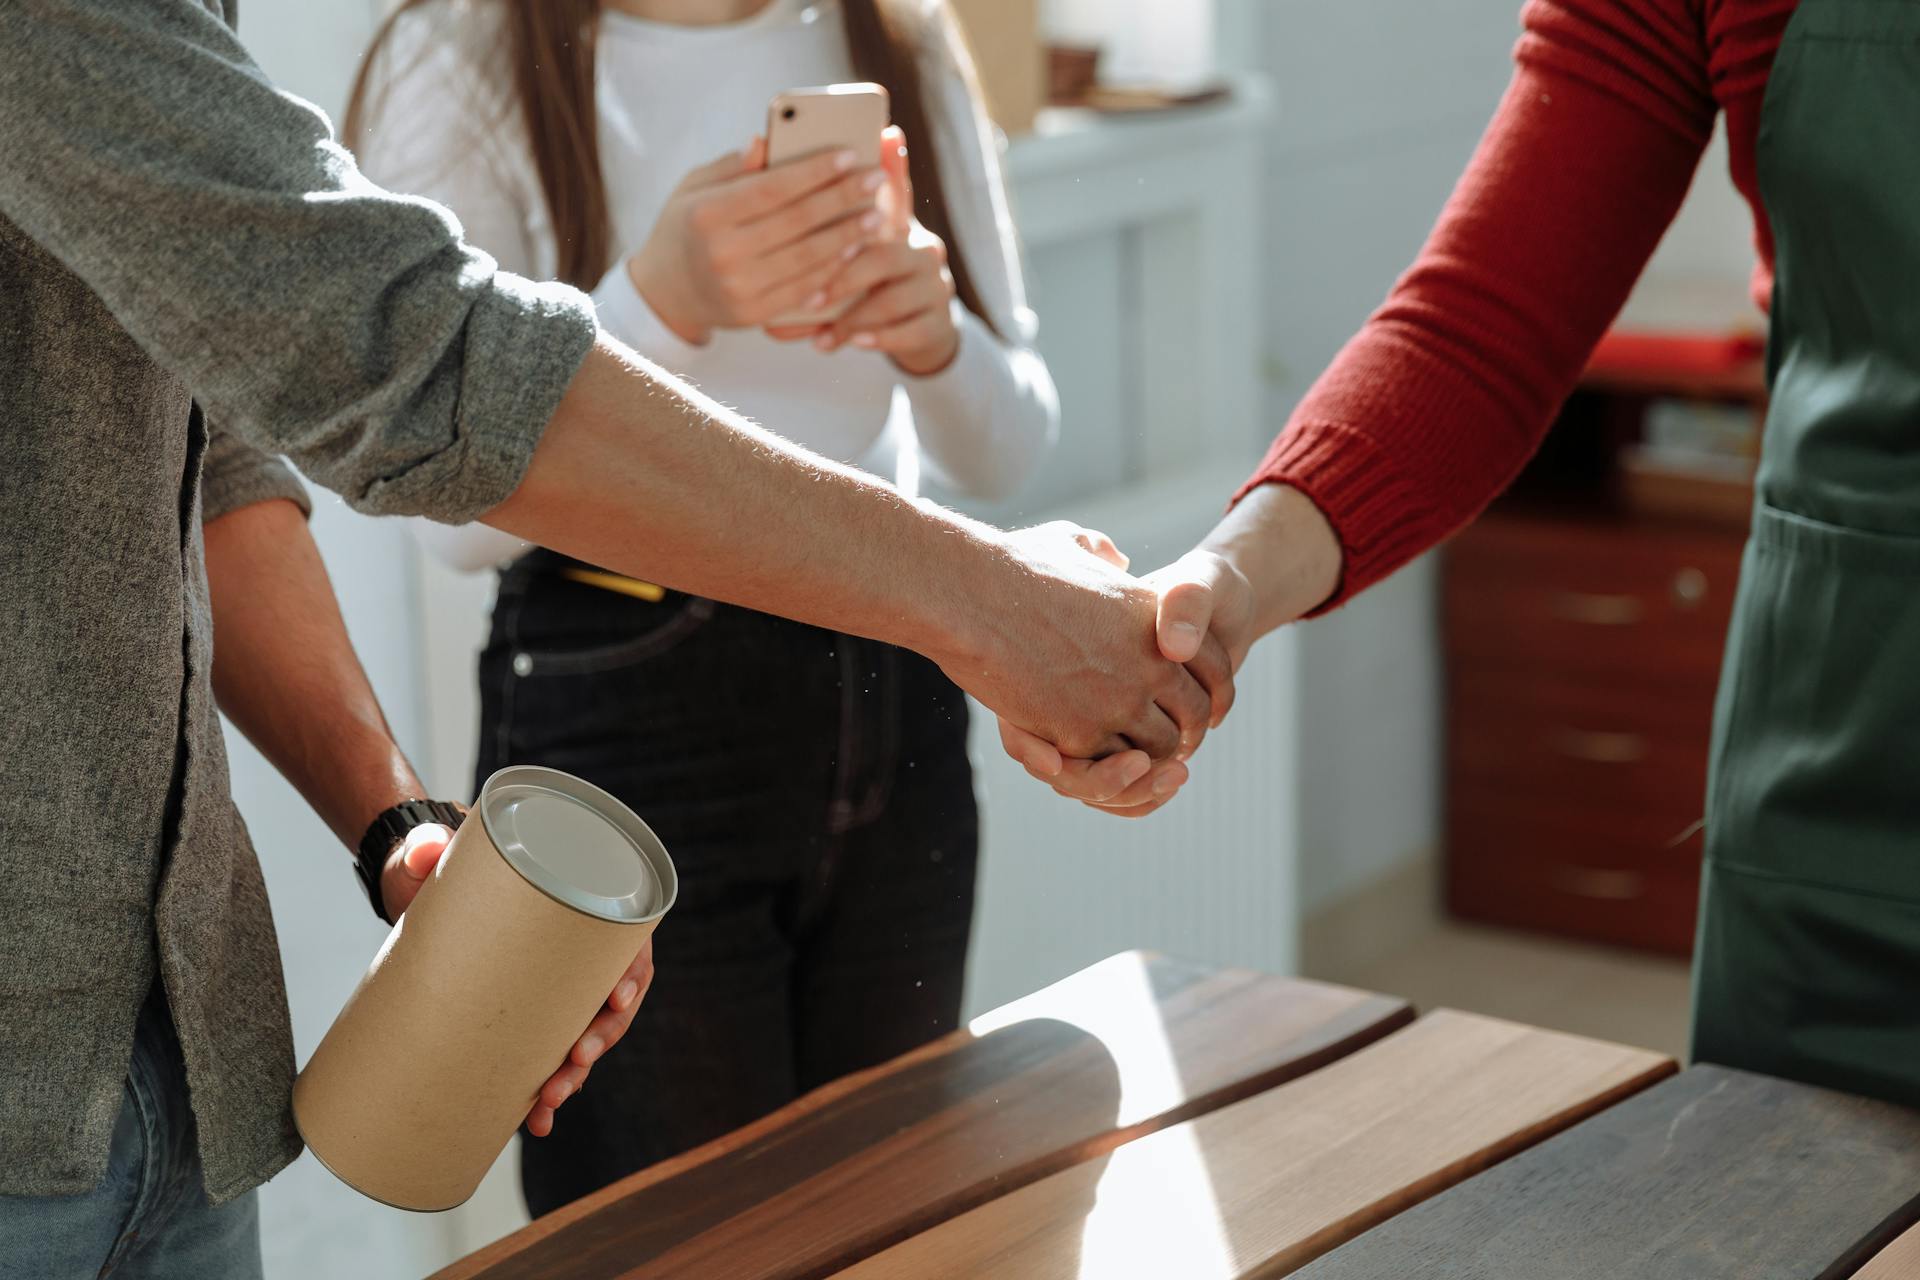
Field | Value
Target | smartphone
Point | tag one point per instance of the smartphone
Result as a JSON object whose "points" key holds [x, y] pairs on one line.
{"points": [[835, 117]]}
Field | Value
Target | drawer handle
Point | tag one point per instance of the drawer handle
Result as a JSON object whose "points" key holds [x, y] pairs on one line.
{"points": [[1598, 885], [1689, 588], [1601, 748], [1597, 610]]}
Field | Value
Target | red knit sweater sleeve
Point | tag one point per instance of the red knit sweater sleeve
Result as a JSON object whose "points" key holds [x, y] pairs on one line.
{"points": [[1437, 403]]}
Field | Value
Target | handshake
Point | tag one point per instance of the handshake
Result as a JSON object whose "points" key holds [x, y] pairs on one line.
{"points": [[1106, 684]]}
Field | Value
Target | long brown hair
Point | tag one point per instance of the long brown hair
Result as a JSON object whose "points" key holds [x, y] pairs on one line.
{"points": [[549, 48]]}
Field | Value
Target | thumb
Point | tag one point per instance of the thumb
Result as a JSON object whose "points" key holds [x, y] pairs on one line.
{"points": [[893, 162], [1186, 611], [893, 153], [421, 851]]}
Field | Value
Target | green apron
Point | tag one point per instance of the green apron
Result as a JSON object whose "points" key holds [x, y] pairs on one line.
{"points": [[1808, 963]]}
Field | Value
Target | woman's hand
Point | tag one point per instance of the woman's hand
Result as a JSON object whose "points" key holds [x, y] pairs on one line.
{"points": [[901, 282], [402, 879], [739, 244]]}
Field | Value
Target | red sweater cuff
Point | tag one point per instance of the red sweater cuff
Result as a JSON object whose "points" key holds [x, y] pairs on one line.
{"points": [[1381, 520]]}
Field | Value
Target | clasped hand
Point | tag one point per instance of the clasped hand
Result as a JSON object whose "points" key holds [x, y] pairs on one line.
{"points": [[1201, 625]]}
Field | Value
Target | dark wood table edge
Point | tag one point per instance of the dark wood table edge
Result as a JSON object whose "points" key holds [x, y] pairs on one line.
{"points": [[1399, 1015]]}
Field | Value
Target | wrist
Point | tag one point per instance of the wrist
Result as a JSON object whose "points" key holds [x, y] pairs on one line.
{"points": [[368, 774], [660, 299], [1286, 549], [972, 563], [934, 359]]}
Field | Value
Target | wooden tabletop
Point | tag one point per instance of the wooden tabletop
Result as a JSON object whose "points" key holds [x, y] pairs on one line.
{"points": [[1714, 1175], [1132, 1045], [1898, 1261], [1263, 1186], [1155, 1117]]}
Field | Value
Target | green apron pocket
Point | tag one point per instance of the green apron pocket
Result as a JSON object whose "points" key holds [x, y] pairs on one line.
{"points": [[1816, 775]]}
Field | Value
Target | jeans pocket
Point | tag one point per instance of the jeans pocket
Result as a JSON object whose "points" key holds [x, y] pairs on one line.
{"points": [[667, 626]]}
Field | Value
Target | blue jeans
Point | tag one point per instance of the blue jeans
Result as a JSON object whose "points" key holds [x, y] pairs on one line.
{"points": [[149, 1218]]}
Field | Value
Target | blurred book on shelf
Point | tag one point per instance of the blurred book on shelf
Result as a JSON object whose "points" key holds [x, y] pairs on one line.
{"points": [[1073, 80]]}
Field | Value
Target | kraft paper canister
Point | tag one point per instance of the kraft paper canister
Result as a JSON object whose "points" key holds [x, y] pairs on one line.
{"points": [[508, 952]]}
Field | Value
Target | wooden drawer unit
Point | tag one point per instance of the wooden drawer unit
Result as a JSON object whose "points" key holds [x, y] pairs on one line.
{"points": [[1627, 759], [1518, 869], [1608, 601], [1581, 665]]}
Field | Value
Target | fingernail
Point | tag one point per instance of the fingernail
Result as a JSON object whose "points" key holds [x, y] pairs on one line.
{"points": [[865, 341], [1136, 770], [818, 300], [1039, 763], [872, 181], [624, 993], [590, 1047], [845, 160], [1166, 784], [871, 220], [1185, 631], [823, 343]]}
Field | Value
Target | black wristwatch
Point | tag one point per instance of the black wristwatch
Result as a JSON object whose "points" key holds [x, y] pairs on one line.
{"points": [[387, 831]]}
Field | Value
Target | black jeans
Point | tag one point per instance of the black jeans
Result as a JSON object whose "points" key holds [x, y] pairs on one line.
{"points": [[815, 794]]}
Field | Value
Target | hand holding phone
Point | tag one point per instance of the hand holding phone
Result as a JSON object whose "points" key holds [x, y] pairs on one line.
{"points": [[744, 241], [895, 294], [802, 123]]}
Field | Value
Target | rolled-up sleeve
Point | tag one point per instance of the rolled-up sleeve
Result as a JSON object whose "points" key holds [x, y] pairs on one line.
{"points": [[236, 475], [312, 313]]}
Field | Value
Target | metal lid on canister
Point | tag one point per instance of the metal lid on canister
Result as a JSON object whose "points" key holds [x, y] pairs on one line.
{"points": [[577, 844]]}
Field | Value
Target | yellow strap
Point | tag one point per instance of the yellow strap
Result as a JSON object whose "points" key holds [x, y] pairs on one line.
{"points": [[616, 582]]}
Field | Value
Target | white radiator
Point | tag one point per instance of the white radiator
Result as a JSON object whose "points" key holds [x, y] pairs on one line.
{"points": [[1211, 876]]}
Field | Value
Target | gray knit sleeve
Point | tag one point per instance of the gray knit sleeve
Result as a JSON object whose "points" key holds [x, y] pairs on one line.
{"points": [[312, 313]]}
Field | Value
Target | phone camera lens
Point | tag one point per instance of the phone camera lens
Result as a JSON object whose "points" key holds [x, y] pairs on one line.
{"points": [[787, 113]]}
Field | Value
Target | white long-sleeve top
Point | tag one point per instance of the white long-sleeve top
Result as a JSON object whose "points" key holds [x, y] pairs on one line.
{"points": [[443, 123]]}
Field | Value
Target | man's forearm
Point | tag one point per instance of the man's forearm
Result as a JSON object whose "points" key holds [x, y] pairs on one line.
{"points": [[285, 672], [640, 474]]}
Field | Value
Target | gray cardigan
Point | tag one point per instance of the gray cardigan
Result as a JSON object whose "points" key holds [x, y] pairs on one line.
{"points": [[193, 277]]}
